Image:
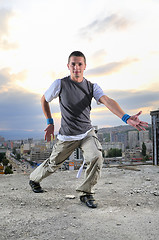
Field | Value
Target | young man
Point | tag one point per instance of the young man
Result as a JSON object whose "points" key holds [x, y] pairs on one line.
{"points": [[75, 94]]}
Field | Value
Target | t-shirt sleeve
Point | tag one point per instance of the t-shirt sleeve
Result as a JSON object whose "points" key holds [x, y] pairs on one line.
{"points": [[97, 92], [53, 91]]}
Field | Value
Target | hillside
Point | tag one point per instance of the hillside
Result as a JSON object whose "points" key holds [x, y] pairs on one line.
{"points": [[121, 128]]}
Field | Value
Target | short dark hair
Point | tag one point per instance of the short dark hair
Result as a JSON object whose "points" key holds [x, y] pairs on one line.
{"points": [[77, 54]]}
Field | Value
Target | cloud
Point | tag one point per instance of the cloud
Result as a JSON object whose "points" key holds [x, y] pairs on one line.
{"points": [[132, 99], [109, 68], [131, 102], [98, 56], [3, 77], [7, 80], [21, 115], [98, 26], [19, 109], [6, 45], [5, 16]]}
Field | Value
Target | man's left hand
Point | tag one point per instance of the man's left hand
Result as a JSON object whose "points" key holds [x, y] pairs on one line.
{"points": [[135, 122]]}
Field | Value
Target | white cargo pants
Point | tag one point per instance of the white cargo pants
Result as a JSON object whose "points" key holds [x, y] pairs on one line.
{"points": [[92, 153]]}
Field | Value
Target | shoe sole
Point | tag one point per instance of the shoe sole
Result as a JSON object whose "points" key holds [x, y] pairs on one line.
{"points": [[36, 190]]}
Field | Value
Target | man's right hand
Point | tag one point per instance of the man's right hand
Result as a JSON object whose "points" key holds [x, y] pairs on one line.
{"points": [[48, 132]]}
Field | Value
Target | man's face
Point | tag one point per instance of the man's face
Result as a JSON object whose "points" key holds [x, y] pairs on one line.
{"points": [[76, 66]]}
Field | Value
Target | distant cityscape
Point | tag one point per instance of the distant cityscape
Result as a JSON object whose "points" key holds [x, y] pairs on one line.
{"points": [[125, 140], [129, 140], [120, 145]]}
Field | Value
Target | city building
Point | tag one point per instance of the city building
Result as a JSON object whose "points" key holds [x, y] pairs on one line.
{"points": [[39, 154], [155, 135], [2, 140], [75, 160], [116, 136], [133, 141], [25, 148], [144, 137]]}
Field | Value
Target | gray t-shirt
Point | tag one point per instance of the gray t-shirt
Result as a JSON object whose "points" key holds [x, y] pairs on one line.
{"points": [[75, 103]]}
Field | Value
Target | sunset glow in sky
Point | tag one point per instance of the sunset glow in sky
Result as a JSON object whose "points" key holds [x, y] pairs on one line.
{"points": [[120, 39]]}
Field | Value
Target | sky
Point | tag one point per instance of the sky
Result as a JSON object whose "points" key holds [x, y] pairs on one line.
{"points": [[120, 39]]}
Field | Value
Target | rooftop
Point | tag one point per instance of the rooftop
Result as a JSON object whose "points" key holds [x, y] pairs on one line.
{"points": [[128, 206]]}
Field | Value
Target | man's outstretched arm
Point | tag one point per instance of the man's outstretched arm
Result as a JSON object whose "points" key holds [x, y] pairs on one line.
{"points": [[114, 107], [46, 110]]}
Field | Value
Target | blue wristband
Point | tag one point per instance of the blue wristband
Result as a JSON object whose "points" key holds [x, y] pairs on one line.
{"points": [[50, 121], [125, 118]]}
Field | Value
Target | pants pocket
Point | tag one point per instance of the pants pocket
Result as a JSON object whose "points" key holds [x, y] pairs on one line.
{"points": [[97, 143]]}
